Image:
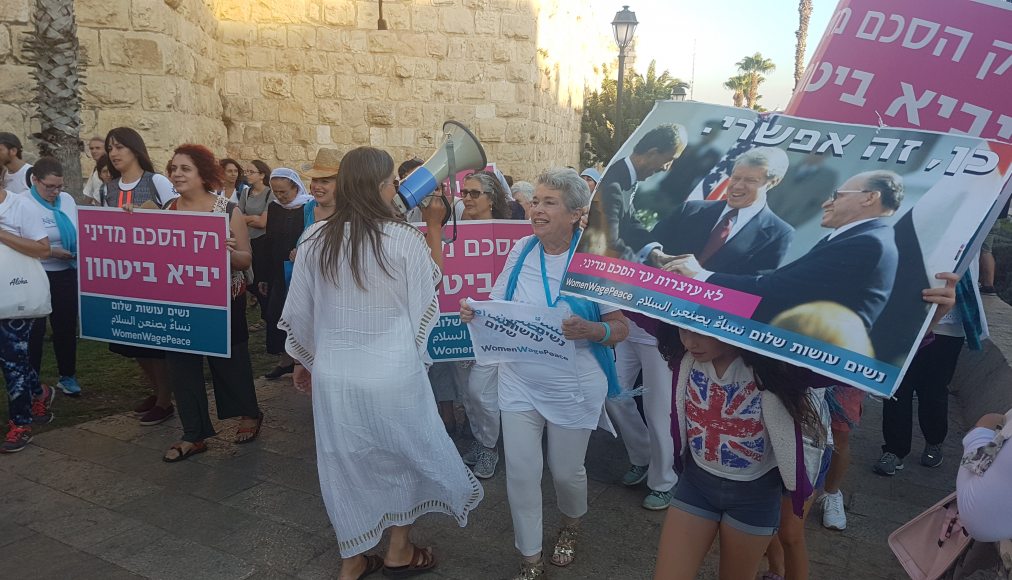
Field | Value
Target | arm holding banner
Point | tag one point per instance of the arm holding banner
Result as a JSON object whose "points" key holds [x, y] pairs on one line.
{"points": [[612, 329]]}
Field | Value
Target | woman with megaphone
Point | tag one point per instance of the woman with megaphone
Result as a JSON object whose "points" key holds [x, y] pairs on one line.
{"points": [[360, 308], [569, 399]]}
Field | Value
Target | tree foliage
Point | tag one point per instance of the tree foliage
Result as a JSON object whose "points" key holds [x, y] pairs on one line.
{"points": [[804, 15], [751, 74], [640, 91]]}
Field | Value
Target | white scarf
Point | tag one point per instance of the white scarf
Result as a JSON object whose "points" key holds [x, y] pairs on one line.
{"points": [[302, 198]]}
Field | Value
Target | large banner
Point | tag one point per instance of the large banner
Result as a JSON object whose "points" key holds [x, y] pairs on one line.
{"points": [[510, 332], [808, 241], [155, 279], [941, 65], [471, 265]]}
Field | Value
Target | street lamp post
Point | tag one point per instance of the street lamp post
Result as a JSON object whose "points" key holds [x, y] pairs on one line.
{"points": [[624, 28], [678, 93]]}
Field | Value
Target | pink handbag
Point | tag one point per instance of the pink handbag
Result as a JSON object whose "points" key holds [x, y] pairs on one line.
{"points": [[928, 545]]}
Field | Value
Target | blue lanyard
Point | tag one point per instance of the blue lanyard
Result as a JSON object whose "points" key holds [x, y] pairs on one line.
{"points": [[544, 270]]}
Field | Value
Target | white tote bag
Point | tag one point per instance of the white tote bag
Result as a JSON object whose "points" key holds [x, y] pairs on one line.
{"points": [[24, 286]]}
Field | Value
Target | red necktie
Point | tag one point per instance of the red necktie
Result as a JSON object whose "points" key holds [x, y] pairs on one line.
{"points": [[717, 237]]}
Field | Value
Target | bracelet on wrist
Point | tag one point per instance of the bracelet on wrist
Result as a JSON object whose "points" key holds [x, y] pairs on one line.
{"points": [[607, 333]]}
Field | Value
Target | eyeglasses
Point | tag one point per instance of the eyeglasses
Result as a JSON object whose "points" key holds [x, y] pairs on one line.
{"points": [[473, 193], [839, 192], [250, 170], [48, 187]]}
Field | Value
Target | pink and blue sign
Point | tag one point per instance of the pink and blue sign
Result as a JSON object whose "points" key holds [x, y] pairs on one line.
{"points": [[471, 265], [155, 279]]}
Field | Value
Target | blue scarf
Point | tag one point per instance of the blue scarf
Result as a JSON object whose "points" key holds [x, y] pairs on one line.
{"points": [[583, 308], [68, 232], [308, 216]]}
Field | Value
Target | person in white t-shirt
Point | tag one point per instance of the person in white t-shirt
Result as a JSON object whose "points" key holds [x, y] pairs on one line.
{"points": [[135, 182], [570, 401], [93, 187], [56, 210], [28, 401], [18, 172]]}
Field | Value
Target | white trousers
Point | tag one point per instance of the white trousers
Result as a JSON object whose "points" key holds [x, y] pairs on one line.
{"points": [[481, 401], [651, 443], [567, 450]]}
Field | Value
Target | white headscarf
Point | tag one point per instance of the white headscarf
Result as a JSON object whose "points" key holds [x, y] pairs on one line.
{"points": [[302, 198]]}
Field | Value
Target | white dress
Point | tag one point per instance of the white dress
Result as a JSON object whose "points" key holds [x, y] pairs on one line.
{"points": [[383, 454]]}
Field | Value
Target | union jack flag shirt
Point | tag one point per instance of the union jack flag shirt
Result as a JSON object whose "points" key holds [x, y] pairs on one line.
{"points": [[723, 421]]}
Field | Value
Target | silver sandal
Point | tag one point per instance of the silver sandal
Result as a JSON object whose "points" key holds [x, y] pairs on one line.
{"points": [[531, 570], [565, 546]]}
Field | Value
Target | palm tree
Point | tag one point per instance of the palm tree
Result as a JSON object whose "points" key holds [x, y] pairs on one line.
{"points": [[754, 67], [55, 49], [738, 84], [804, 13]]}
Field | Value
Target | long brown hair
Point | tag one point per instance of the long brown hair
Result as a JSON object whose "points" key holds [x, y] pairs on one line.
{"points": [[360, 207], [133, 141]]}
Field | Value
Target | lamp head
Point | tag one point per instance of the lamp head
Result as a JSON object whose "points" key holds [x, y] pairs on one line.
{"points": [[624, 27]]}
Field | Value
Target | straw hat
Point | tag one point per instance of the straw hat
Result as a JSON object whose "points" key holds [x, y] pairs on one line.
{"points": [[328, 161]]}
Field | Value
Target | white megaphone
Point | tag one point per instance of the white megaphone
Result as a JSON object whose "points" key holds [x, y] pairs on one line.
{"points": [[459, 151]]}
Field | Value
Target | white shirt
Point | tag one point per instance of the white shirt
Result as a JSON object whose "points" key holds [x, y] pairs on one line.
{"points": [[162, 185], [17, 182], [723, 420], [846, 227], [745, 215], [573, 401], [15, 218], [43, 215], [93, 187]]}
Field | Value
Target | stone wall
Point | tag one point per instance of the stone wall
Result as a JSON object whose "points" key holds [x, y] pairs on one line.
{"points": [[149, 64], [278, 80]]}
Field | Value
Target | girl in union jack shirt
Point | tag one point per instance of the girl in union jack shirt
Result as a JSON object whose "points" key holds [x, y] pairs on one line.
{"points": [[737, 419]]}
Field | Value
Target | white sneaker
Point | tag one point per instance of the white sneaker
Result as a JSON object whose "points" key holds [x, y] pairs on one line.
{"points": [[833, 515]]}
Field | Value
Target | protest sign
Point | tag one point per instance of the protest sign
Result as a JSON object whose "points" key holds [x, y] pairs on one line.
{"points": [[786, 259], [471, 265], [937, 65], [155, 279], [509, 332]]}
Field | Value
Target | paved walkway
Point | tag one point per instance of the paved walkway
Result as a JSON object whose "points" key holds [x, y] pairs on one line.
{"points": [[96, 501]]}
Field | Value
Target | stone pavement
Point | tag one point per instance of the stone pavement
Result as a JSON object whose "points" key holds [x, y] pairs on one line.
{"points": [[96, 501]]}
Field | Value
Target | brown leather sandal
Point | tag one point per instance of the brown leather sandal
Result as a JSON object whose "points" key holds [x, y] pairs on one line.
{"points": [[422, 561]]}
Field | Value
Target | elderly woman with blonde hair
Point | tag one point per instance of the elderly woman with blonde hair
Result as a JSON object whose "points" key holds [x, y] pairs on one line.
{"points": [[536, 396]]}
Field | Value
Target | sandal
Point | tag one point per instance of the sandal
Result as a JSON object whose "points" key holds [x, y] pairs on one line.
{"points": [[531, 570], [252, 432], [565, 547], [373, 564], [422, 561], [195, 448]]}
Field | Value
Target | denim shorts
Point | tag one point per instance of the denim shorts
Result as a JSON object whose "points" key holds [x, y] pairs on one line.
{"points": [[752, 507]]}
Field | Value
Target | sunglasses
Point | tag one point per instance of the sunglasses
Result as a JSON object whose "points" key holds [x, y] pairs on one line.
{"points": [[473, 193]]}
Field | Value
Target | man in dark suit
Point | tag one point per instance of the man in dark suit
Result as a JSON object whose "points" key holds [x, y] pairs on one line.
{"points": [[855, 265], [737, 235], [654, 152]]}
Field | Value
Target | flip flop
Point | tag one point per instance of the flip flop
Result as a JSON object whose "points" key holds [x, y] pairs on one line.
{"points": [[373, 564], [196, 447], [422, 561], [253, 431]]}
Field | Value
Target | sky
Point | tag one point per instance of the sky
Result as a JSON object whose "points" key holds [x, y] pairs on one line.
{"points": [[723, 32]]}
